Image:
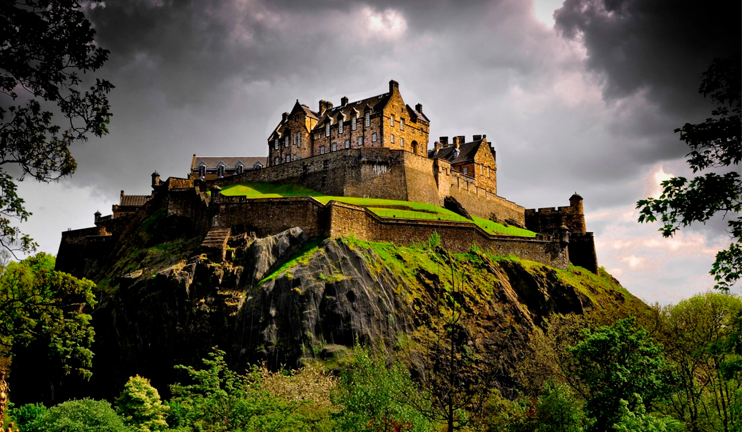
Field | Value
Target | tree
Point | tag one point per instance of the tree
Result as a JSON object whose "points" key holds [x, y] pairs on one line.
{"points": [[557, 410], [640, 421], [45, 45], [140, 407], [376, 397], [715, 145], [698, 335], [39, 303], [85, 415], [615, 363]]}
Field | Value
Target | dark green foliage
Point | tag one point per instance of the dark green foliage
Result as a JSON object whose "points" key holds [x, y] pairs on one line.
{"points": [[140, 407], [39, 303], [46, 43], [85, 415], [714, 144], [616, 363], [219, 399], [377, 396], [25, 415], [640, 421], [557, 410]]}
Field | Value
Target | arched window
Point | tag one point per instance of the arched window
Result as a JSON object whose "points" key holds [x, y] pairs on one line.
{"points": [[202, 170], [240, 168]]}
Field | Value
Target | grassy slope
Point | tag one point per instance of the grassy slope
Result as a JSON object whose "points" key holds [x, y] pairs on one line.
{"points": [[382, 207]]}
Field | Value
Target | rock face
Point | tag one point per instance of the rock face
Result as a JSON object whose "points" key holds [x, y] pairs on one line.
{"points": [[286, 298]]}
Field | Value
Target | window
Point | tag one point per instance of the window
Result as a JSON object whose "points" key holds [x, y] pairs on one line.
{"points": [[391, 120], [401, 142], [296, 118], [317, 136], [257, 166], [298, 139], [240, 168], [340, 126], [368, 119], [334, 146], [360, 141], [288, 158], [391, 139], [374, 137], [481, 169], [275, 144], [347, 143], [286, 141], [401, 124], [466, 170], [202, 171], [321, 149], [353, 123], [220, 171], [327, 129], [276, 161], [488, 172]]}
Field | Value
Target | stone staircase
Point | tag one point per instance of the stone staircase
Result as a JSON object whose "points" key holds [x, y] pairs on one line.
{"points": [[215, 243]]}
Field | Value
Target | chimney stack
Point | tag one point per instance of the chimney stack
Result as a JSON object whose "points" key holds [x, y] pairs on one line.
{"points": [[456, 142], [462, 139], [476, 137], [285, 117], [419, 108], [443, 140], [344, 101], [324, 106], [393, 85]]}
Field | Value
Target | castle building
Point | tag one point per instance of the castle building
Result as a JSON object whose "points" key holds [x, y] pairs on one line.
{"points": [[378, 121], [475, 160], [210, 168]]}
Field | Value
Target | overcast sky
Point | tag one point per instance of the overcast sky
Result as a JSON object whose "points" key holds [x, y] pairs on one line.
{"points": [[576, 97]]}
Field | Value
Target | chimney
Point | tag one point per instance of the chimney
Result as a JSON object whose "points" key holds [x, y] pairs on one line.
{"points": [[476, 137], [285, 117], [121, 196], [419, 108], [97, 216], [393, 85], [344, 101], [444, 141], [437, 146], [324, 106], [462, 139], [456, 143]]}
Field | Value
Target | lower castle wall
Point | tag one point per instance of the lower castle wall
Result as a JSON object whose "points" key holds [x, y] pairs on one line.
{"points": [[346, 220], [270, 216], [582, 251]]}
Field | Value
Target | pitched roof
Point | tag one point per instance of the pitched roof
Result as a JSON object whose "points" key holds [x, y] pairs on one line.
{"points": [[134, 200], [466, 152], [375, 103], [229, 162], [417, 114]]}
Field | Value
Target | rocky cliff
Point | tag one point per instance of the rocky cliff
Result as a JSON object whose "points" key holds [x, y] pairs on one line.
{"points": [[288, 299]]}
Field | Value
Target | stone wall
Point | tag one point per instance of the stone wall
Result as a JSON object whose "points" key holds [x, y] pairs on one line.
{"points": [[270, 216], [458, 237], [582, 251], [549, 219]]}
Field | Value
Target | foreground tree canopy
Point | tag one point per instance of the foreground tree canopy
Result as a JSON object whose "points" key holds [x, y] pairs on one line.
{"points": [[45, 44], [38, 303], [715, 145]]}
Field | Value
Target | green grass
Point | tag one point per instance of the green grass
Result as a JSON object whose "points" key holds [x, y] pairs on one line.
{"points": [[385, 208]]}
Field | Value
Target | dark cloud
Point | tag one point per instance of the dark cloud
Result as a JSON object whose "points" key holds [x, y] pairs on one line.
{"points": [[660, 47]]}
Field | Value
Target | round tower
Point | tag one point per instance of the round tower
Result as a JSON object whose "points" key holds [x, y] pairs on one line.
{"points": [[576, 201]]}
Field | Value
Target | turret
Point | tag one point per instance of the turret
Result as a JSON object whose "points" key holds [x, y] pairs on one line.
{"points": [[155, 179], [576, 201]]}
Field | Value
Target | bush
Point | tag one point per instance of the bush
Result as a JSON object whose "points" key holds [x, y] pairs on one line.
{"points": [[85, 415], [140, 407], [24, 415]]}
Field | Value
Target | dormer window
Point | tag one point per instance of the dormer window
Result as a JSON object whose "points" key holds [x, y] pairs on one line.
{"points": [[368, 119], [220, 170], [327, 129], [202, 170], [340, 125], [353, 122], [240, 168], [401, 124], [391, 120], [257, 166]]}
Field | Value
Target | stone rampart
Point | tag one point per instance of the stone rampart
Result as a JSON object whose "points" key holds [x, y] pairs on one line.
{"points": [[271, 215]]}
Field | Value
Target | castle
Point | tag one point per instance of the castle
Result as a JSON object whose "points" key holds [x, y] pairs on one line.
{"points": [[373, 148]]}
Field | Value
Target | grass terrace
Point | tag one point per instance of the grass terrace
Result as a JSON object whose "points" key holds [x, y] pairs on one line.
{"points": [[382, 207]]}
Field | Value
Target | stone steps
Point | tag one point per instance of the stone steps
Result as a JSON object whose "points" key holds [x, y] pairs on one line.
{"points": [[215, 243]]}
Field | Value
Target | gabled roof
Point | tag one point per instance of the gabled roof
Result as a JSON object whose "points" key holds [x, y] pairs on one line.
{"points": [[376, 103], [305, 110], [134, 200], [416, 115], [231, 162], [465, 155]]}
